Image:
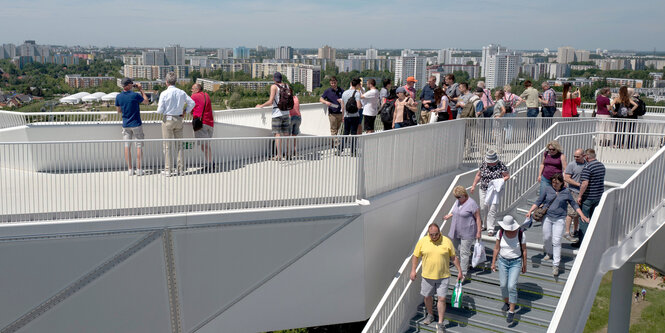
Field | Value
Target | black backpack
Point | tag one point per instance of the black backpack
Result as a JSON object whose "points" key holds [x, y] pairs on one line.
{"points": [[351, 106], [641, 107], [285, 98], [409, 117], [387, 110]]}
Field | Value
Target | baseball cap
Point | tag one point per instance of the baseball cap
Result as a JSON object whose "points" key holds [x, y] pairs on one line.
{"points": [[126, 81], [277, 77], [401, 90], [411, 79]]}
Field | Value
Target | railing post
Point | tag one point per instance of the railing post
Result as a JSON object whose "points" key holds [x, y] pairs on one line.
{"points": [[361, 192]]}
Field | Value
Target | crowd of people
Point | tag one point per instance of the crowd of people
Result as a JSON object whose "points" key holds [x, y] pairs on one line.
{"points": [[568, 192]]}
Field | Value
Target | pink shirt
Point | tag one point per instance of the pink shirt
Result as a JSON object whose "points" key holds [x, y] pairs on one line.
{"points": [[201, 99], [296, 107]]}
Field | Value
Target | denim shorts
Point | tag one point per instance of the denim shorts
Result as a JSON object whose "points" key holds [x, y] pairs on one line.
{"points": [[281, 125], [295, 125]]}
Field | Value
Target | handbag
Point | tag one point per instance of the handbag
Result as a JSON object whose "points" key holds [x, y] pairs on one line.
{"points": [[539, 213], [197, 122], [456, 299]]}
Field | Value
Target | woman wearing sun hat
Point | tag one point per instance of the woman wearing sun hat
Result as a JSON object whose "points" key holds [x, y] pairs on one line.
{"points": [[510, 248], [491, 168]]}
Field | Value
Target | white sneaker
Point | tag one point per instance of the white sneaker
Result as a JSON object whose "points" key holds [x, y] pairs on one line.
{"points": [[546, 257], [429, 319], [139, 172], [166, 173], [440, 328], [555, 271], [130, 172]]}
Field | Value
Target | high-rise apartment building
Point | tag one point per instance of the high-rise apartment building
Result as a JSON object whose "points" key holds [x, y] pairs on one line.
{"points": [[308, 75], [444, 56], [371, 53], [224, 54], [241, 52], [284, 52], [582, 55], [8, 51], [487, 53], [30, 49], [132, 60], [175, 55], [413, 65], [153, 58], [327, 52], [565, 55], [502, 69]]}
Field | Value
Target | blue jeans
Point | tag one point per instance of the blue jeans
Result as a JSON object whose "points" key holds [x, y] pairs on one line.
{"points": [[509, 271], [588, 206], [399, 125], [544, 183], [548, 111], [532, 112]]}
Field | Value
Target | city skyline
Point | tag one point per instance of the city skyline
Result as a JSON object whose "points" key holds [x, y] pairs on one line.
{"points": [[527, 25]]}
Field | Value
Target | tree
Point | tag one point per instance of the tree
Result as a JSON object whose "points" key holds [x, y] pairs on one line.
{"points": [[195, 75]]}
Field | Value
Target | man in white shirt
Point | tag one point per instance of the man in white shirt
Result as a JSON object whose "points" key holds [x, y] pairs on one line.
{"points": [[172, 102], [371, 106]]}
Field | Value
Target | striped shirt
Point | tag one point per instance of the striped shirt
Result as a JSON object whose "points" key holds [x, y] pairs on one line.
{"points": [[549, 96], [594, 173]]}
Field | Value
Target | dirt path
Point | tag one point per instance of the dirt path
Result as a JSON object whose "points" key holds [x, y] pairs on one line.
{"points": [[649, 283]]}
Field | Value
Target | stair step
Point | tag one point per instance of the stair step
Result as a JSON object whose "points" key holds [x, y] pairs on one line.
{"points": [[525, 297], [526, 283]]}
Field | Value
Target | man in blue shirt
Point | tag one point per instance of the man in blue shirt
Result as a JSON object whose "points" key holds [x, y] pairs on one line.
{"points": [[427, 98], [592, 186], [127, 103], [332, 97]]}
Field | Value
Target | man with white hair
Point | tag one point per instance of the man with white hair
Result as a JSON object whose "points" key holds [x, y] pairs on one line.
{"points": [[548, 100], [172, 103]]}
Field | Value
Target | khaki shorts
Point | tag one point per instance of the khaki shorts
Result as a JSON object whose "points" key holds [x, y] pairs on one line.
{"points": [[430, 287], [129, 133], [204, 133], [571, 212]]}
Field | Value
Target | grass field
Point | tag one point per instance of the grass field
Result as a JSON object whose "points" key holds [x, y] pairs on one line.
{"points": [[651, 316]]}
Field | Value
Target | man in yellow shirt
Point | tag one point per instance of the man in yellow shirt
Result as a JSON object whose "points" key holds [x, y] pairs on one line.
{"points": [[436, 252]]}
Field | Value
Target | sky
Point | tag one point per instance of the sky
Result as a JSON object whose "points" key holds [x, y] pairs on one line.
{"points": [[385, 24]]}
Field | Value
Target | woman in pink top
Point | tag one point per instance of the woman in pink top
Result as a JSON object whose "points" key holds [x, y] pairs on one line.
{"points": [[570, 101], [296, 119], [603, 112], [554, 161]]}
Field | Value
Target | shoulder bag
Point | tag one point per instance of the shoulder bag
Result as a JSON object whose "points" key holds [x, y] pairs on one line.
{"points": [[539, 213], [197, 122]]}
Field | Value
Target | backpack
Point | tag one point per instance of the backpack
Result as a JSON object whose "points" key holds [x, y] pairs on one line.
{"points": [[351, 106], [387, 110], [641, 107], [519, 237], [508, 104], [409, 117], [469, 109], [285, 98]]}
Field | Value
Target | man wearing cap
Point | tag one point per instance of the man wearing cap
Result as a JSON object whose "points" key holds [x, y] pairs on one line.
{"points": [[281, 120], [409, 87], [436, 252], [127, 103], [173, 104]]}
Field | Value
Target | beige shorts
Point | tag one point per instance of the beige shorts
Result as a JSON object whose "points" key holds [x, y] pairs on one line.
{"points": [[129, 133], [204, 133]]}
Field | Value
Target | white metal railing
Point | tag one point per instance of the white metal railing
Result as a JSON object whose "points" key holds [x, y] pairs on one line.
{"points": [[64, 180], [400, 157], [621, 212]]}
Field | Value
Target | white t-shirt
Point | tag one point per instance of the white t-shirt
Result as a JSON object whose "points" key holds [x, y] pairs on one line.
{"points": [[510, 249], [371, 102]]}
